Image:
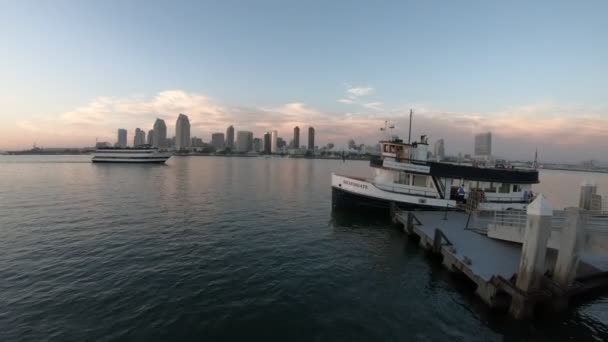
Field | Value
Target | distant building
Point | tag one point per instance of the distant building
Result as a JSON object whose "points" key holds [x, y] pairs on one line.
{"points": [[483, 144], [281, 144], [160, 134], [311, 138], [439, 150], [267, 142], [217, 140], [244, 141], [150, 137], [122, 138], [274, 135], [103, 144], [230, 137], [182, 133], [140, 138], [296, 137], [257, 144], [196, 142]]}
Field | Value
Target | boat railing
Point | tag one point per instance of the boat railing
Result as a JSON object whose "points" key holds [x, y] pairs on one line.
{"points": [[400, 190], [504, 199]]}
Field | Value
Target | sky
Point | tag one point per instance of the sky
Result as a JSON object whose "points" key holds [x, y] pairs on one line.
{"points": [[533, 73]]}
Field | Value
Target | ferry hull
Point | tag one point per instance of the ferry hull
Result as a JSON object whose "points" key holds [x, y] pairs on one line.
{"points": [[349, 192], [125, 161], [344, 199]]}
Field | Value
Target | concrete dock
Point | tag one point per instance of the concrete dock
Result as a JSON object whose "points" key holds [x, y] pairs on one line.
{"points": [[495, 265]]}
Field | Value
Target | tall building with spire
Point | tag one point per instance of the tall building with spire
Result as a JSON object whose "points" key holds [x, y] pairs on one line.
{"points": [[311, 138], [140, 138], [230, 137], [122, 137], [296, 137], [160, 134], [182, 133]]}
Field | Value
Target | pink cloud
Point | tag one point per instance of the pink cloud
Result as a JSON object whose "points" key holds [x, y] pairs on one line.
{"points": [[569, 131]]}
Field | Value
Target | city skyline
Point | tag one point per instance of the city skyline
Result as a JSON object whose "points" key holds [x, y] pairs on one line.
{"points": [[517, 71]]}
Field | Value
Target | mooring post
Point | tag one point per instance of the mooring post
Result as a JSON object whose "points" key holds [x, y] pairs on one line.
{"points": [[533, 252], [393, 213], [410, 222], [437, 241], [572, 240]]}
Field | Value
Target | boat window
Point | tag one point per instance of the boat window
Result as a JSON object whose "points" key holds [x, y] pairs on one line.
{"points": [[419, 180], [516, 188], [402, 178], [489, 187], [504, 188]]}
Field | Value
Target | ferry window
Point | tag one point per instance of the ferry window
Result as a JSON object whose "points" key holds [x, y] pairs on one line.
{"points": [[419, 180], [489, 187], [516, 188], [402, 178], [504, 188]]}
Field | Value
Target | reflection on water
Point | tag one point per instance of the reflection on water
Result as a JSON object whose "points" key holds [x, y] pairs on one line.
{"points": [[229, 248]]}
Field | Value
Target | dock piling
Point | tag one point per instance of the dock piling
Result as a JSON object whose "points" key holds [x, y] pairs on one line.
{"points": [[532, 260], [572, 239], [534, 249]]}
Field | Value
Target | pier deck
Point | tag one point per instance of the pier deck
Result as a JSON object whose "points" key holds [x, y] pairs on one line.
{"points": [[489, 263], [488, 257]]}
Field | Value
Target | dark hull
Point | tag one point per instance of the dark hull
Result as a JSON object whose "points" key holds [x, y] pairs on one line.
{"points": [[343, 199], [128, 162]]}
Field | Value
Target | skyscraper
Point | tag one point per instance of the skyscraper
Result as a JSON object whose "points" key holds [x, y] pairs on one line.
{"points": [[483, 144], [140, 138], [230, 137], [257, 144], [150, 137], [296, 137], [439, 150], [267, 143], [311, 138], [182, 133], [160, 134], [244, 141], [122, 137], [217, 140], [273, 141]]}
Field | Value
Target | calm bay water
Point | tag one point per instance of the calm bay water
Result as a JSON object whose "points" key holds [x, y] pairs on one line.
{"points": [[211, 248]]}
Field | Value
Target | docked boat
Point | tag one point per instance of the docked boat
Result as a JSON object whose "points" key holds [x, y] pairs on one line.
{"points": [[139, 155], [405, 177]]}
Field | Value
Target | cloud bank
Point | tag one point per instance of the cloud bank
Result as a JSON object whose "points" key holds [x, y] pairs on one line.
{"points": [[566, 132]]}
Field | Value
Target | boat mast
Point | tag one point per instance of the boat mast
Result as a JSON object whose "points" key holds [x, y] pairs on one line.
{"points": [[409, 136]]}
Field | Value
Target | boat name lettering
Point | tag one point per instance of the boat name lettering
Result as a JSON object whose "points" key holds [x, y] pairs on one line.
{"points": [[362, 186]]}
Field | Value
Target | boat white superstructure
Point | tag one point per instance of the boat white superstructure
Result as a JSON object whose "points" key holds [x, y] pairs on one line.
{"points": [[137, 155], [404, 176]]}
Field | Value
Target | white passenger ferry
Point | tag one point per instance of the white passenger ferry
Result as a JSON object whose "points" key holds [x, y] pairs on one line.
{"points": [[139, 155], [406, 178]]}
